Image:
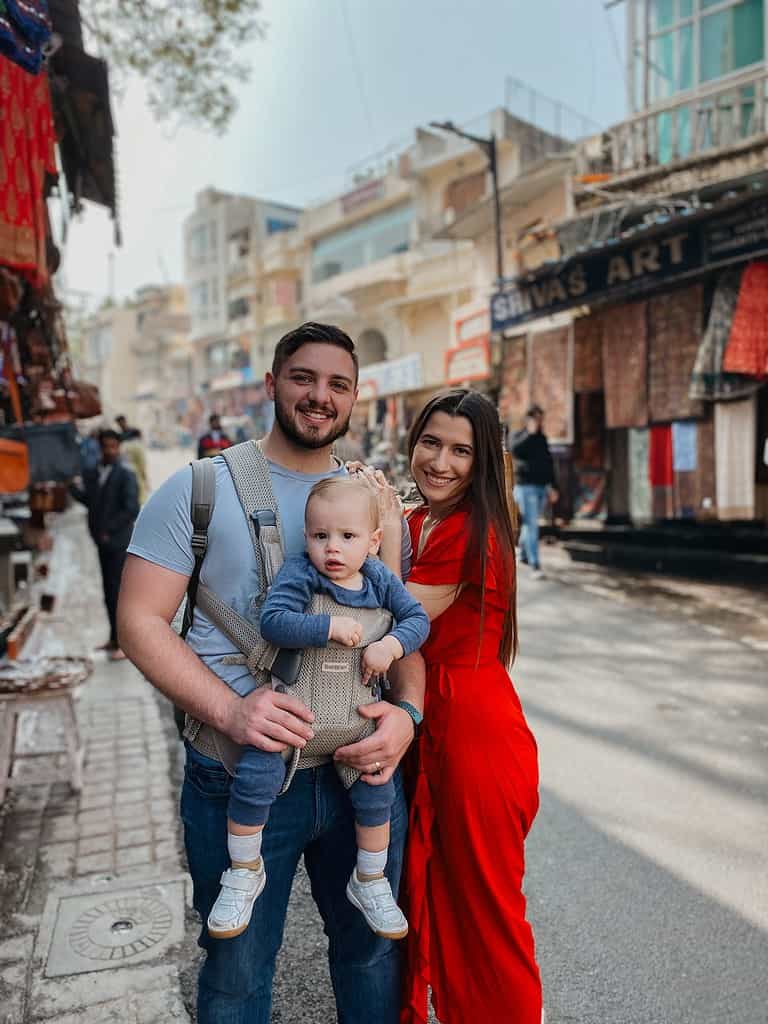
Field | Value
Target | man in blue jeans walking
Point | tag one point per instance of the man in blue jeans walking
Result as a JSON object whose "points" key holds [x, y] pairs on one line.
{"points": [[534, 483], [313, 384]]}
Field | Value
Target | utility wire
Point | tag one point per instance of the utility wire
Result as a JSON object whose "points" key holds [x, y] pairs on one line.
{"points": [[358, 70]]}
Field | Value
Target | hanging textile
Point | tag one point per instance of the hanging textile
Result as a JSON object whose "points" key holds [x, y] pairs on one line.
{"points": [[674, 336], [639, 482], [709, 381], [660, 471], [588, 354], [514, 395], [684, 446], [550, 354], [625, 352], [26, 154], [735, 429], [747, 349]]}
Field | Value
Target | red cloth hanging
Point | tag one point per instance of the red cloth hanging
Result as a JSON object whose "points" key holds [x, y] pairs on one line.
{"points": [[26, 154], [660, 463], [747, 348]]}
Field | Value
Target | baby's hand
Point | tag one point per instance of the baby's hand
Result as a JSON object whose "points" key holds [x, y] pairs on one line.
{"points": [[378, 656], [345, 630]]}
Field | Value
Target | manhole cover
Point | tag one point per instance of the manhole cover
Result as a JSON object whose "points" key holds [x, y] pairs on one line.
{"points": [[120, 928], [98, 930]]}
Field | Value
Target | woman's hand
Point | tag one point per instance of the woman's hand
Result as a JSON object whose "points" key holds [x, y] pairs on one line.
{"points": [[390, 506]]}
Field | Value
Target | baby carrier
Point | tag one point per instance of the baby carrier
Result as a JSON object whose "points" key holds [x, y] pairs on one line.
{"points": [[327, 679]]}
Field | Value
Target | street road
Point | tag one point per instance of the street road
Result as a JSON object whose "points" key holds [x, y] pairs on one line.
{"points": [[646, 878], [646, 873]]}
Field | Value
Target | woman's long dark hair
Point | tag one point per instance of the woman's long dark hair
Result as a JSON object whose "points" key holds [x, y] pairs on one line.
{"points": [[486, 497]]}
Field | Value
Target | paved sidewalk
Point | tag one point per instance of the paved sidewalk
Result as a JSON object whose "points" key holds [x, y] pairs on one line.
{"points": [[92, 889]]}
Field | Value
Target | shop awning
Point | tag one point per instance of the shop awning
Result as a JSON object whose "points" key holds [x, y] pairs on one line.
{"points": [[642, 260]]}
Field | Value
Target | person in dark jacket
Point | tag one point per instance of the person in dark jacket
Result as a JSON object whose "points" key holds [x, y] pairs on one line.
{"points": [[110, 493], [534, 482], [215, 441]]}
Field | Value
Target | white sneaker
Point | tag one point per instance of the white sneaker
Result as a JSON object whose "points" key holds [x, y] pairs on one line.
{"points": [[538, 574], [376, 903], [231, 913]]}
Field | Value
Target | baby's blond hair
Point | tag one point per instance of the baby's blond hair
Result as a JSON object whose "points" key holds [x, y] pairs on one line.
{"points": [[342, 486]]}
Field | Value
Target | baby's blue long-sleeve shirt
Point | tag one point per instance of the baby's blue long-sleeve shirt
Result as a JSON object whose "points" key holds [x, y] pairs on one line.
{"points": [[285, 622]]}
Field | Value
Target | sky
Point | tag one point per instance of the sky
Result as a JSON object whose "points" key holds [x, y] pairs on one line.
{"points": [[332, 82]]}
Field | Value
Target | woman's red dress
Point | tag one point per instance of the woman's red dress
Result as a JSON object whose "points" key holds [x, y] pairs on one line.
{"points": [[476, 795]]}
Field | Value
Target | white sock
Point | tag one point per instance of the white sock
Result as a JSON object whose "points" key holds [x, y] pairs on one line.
{"points": [[244, 849], [371, 863]]}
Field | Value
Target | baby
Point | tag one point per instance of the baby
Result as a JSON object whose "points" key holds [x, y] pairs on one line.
{"points": [[342, 531]]}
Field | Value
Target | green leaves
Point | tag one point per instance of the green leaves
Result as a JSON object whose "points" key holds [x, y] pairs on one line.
{"points": [[186, 51]]}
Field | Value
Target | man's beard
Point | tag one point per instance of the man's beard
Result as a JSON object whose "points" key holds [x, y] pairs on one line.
{"points": [[289, 431]]}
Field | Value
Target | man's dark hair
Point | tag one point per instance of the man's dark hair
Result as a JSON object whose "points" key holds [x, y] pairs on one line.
{"points": [[323, 334], [121, 419], [535, 410], [109, 435], [214, 418]]}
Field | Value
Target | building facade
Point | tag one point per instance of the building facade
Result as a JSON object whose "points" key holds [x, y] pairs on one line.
{"points": [[657, 299]]}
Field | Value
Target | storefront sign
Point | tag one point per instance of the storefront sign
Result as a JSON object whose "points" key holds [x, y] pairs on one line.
{"points": [[391, 378], [468, 362], [227, 381], [624, 269]]}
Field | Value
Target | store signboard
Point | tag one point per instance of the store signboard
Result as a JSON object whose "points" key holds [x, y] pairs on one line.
{"points": [[391, 378], [227, 381], [468, 362], [624, 270]]}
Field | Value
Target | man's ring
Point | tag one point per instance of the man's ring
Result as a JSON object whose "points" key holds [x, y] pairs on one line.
{"points": [[377, 768]]}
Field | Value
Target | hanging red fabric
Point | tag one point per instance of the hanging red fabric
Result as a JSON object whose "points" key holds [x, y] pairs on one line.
{"points": [[660, 462], [747, 348], [26, 154]]}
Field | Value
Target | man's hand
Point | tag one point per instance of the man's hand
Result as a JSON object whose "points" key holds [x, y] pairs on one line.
{"points": [[345, 630], [553, 494], [269, 720], [378, 656], [386, 747]]}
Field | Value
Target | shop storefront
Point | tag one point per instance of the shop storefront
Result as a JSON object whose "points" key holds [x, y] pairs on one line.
{"points": [[664, 364]]}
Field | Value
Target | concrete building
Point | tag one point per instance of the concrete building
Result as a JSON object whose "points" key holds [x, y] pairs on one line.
{"points": [[222, 241], [163, 353], [107, 358], [666, 240]]}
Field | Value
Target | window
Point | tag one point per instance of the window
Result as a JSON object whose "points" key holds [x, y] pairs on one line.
{"points": [[731, 39], [276, 224], [715, 36], [237, 308], [357, 246], [197, 243]]}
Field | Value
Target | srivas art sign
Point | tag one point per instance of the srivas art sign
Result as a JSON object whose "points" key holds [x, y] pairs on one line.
{"points": [[625, 270]]}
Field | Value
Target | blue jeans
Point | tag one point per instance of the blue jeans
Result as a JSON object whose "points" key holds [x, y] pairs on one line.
{"points": [[259, 777], [530, 499], [313, 818]]}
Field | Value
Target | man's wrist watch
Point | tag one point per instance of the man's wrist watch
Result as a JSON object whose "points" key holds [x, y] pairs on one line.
{"points": [[416, 716]]}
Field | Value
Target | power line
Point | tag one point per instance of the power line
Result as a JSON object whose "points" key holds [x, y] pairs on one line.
{"points": [[357, 69]]}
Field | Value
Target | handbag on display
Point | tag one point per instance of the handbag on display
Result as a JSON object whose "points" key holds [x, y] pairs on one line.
{"points": [[54, 450]]}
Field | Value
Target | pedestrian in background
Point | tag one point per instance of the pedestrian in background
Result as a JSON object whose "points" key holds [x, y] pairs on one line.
{"points": [[534, 483], [110, 493], [134, 454], [215, 441]]}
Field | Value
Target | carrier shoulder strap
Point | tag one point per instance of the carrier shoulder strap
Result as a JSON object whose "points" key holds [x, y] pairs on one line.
{"points": [[251, 478], [201, 511]]}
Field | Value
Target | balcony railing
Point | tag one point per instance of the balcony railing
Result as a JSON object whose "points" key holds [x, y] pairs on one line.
{"points": [[719, 116]]}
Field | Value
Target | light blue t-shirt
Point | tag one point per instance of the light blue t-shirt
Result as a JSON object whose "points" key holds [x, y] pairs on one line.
{"points": [[163, 535]]}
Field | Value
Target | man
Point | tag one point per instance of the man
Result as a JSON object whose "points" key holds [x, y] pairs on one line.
{"points": [[313, 385], [534, 483], [110, 493], [215, 441], [133, 452]]}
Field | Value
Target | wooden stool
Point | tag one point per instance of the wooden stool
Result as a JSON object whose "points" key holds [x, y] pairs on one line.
{"points": [[59, 696]]}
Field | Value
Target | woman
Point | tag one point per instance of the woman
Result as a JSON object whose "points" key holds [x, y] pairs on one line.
{"points": [[476, 786]]}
